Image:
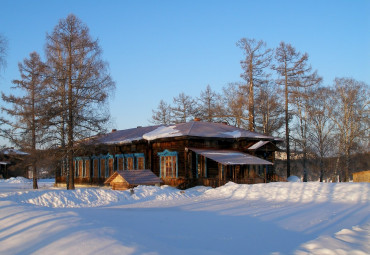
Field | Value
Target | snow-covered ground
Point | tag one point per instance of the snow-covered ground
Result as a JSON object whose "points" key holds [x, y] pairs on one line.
{"points": [[275, 218]]}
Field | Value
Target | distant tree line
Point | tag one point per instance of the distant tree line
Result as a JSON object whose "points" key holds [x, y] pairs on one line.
{"points": [[61, 99], [281, 95]]}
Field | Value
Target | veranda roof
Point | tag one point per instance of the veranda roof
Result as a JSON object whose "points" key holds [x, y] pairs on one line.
{"points": [[229, 157], [136, 177]]}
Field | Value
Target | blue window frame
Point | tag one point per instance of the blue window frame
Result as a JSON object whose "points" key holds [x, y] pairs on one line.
{"points": [[168, 164], [96, 165], [139, 161], [120, 162], [129, 160]]}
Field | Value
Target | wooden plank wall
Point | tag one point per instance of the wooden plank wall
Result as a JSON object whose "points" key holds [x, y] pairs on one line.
{"points": [[363, 176]]}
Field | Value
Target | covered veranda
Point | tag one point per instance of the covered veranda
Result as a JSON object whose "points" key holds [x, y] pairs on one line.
{"points": [[217, 167]]}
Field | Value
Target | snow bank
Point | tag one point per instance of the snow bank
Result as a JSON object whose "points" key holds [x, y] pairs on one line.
{"points": [[94, 197], [295, 192], [14, 180], [272, 192], [346, 241], [293, 178]]}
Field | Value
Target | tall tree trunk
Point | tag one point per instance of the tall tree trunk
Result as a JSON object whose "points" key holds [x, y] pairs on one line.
{"points": [[70, 122], [287, 128], [346, 170], [251, 104], [34, 175], [33, 131], [321, 169]]}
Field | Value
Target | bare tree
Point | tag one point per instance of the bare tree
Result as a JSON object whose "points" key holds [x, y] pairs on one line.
{"points": [[234, 102], [320, 126], [82, 84], [269, 110], [209, 107], [291, 67], [350, 112], [183, 109], [163, 114], [27, 129], [257, 59]]}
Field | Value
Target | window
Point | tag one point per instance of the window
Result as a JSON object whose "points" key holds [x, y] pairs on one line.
{"points": [[201, 166], [96, 171], [102, 167], [140, 163], [84, 168], [120, 164], [130, 163], [109, 167], [168, 164]]}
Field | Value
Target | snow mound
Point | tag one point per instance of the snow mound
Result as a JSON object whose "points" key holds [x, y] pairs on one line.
{"points": [[94, 197], [293, 178], [18, 179], [346, 241], [295, 192]]}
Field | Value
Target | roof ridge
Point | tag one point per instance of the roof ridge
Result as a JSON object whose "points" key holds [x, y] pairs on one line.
{"points": [[192, 125]]}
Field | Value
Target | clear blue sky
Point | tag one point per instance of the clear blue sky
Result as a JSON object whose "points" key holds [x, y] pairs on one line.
{"points": [[157, 49]]}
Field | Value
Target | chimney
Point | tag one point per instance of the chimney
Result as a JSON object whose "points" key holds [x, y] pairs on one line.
{"points": [[114, 130]]}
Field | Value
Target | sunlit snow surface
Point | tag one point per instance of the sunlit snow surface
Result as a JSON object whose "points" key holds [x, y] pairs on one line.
{"points": [[275, 218]]}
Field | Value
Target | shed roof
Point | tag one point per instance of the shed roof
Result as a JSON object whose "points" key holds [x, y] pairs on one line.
{"points": [[12, 151], [229, 157], [136, 177], [188, 129]]}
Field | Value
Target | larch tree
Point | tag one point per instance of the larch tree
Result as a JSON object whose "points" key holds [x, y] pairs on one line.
{"points": [[291, 66], [81, 84], [269, 110], [349, 109], [27, 112], [235, 102], [163, 114], [257, 59], [209, 107], [183, 108]]}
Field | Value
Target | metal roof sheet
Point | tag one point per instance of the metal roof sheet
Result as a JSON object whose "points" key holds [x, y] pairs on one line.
{"points": [[189, 129], [136, 177], [229, 157]]}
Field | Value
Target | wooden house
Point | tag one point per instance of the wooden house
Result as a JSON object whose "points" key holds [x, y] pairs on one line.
{"points": [[182, 155], [11, 163]]}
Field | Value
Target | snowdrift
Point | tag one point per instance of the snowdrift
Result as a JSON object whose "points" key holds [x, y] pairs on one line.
{"points": [[273, 192]]}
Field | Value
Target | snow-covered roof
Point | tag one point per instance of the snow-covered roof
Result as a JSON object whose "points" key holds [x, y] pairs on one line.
{"points": [[258, 145], [136, 177], [229, 157], [188, 129], [11, 151]]}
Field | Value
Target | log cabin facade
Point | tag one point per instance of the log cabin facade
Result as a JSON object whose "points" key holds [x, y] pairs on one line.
{"points": [[182, 155]]}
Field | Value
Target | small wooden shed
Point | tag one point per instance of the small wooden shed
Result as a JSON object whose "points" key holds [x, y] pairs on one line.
{"points": [[122, 180], [363, 176]]}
